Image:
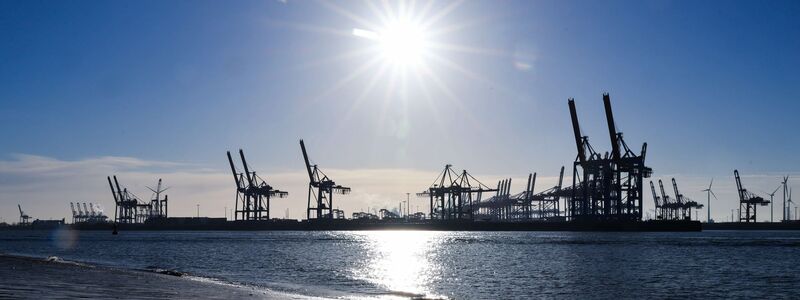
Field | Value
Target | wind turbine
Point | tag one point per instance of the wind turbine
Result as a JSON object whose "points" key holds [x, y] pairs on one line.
{"points": [[709, 193], [789, 206], [785, 181], [771, 195]]}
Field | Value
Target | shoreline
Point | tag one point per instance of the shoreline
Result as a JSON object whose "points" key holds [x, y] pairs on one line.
{"points": [[434, 225], [32, 277]]}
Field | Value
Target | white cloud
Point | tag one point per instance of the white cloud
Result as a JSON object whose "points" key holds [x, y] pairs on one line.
{"points": [[522, 66]]}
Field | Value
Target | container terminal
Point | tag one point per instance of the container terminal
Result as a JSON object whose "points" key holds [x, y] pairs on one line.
{"points": [[605, 194]]}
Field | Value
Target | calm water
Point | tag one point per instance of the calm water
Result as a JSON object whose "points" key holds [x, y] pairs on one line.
{"points": [[461, 265]]}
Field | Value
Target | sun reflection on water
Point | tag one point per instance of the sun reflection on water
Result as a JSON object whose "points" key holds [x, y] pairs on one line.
{"points": [[402, 262]]}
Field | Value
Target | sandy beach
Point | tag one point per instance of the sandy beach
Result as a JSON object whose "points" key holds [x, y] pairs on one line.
{"points": [[35, 278]]}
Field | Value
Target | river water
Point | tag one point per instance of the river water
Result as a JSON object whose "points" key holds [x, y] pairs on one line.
{"points": [[460, 265]]}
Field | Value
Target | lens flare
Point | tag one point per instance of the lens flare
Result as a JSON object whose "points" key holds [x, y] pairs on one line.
{"points": [[403, 43]]}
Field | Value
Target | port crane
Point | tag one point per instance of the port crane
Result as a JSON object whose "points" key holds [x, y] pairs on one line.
{"points": [[686, 204], [158, 206], [545, 204], [606, 186], [504, 206], [87, 215], [501, 206], [659, 207], [76, 215], [253, 194], [126, 203], [129, 208], [747, 201], [88, 212], [453, 195], [670, 208], [24, 219], [321, 190]]}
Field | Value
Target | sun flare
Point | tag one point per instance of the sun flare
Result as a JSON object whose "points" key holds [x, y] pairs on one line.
{"points": [[401, 43], [406, 52]]}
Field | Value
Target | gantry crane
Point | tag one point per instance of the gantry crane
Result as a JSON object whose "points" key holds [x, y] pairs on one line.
{"points": [[659, 207], [748, 200], [126, 203], [76, 216], [321, 190], [253, 193], [670, 208], [548, 201], [452, 195], [24, 219], [158, 206], [606, 186], [129, 209], [680, 210], [92, 214], [686, 204]]}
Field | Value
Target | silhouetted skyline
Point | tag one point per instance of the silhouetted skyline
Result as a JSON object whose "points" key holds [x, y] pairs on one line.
{"points": [[163, 89]]}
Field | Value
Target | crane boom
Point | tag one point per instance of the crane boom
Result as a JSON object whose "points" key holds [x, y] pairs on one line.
{"points": [[612, 129], [233, 170], [246, 169], [655, 196], [119, 191], [308, 165], [113, 193], [739, 185], [576, 129], [664, 197], [678, 196], [644, 151], [528, 187]]}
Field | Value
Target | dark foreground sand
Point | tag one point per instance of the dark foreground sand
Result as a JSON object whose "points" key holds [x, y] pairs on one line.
{"points": [[32, 278]]}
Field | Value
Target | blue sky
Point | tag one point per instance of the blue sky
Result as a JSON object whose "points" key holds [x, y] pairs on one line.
{"points": [[710, 85]]}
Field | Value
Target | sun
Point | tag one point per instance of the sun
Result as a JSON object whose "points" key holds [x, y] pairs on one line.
{"points": [[403, 43], [400, 42], [404, 54]]}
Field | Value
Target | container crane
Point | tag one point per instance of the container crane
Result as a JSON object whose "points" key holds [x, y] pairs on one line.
{"points": [[321, 190], [686, 204], [252, 192], [24, 219], [626, 188], [659, 208], [158, 206], [747, 201], [453, 195], [74, 213], [669, 207]]}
